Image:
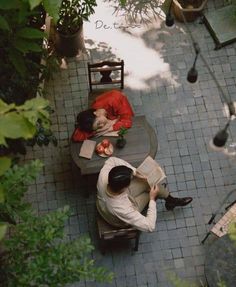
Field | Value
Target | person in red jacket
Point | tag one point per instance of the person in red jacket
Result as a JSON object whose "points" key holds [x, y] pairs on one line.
{"points": [[109, 112]]}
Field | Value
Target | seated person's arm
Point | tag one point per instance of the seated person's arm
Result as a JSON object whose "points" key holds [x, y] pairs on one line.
{"points": [[133, 217], [79, 135], [123, 121], [105, 129], [117, 106]]}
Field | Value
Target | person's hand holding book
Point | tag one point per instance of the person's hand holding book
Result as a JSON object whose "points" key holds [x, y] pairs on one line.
{"points": [[154, 192], [140, 175]]}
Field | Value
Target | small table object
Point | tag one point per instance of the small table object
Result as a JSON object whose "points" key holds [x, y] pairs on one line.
{"points": [[220, 263]]}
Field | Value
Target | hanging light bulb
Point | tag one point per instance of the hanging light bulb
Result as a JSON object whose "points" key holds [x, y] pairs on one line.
{"points": [[170, 21], [220, 139], [193, 73]]}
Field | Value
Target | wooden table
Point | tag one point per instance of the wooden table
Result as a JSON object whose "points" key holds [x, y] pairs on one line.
{"points": [[141, 142]]}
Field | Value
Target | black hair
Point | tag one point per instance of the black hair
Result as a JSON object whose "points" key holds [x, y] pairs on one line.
{"points": [[85, 120], [119, 177]]}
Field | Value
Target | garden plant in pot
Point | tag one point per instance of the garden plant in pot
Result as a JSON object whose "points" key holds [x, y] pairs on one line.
{"points": [[121, 141], [69, 29], [190, 8]]}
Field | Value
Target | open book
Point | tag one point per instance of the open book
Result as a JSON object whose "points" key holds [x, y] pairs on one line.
{"points": [[151, 169]]}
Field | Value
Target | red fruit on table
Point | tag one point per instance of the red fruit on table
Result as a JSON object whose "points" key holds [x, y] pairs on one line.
{"points": [[108, 150], [105, 143], [99, 149]]}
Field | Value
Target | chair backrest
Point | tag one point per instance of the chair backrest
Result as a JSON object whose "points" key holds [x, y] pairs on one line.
{"points": [[106, 73]]}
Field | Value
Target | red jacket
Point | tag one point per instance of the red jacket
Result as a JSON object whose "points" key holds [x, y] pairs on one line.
{"points": [[116, 105]]}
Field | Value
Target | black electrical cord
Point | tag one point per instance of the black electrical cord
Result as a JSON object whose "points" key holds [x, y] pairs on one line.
{"points": [[224, 97]]}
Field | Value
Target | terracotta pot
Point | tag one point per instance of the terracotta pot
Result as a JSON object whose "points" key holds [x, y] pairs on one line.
{"points": [[69, 45], [191, 12]]}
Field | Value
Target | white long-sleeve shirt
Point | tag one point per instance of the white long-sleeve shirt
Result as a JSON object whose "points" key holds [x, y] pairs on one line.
{"points": [[122, 206]]}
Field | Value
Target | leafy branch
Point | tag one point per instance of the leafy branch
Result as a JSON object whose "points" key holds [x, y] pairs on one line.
{"points": [[39, 245], [20, 121]]}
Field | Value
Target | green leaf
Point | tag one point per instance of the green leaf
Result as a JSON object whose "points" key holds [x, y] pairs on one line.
{"points": [[18, 62], [1, 194], [44, 114], [31, 116], [2, 140], [3, 230], [3, 24], [13, 125], [9, 4], [52, 7], [30, 33], [5, 163], [34, 3], [37, 103], [25, 46], [5, 107], [23, 14]]}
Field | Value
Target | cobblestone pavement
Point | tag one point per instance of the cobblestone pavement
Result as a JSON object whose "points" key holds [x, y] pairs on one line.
{"points": [[185, 117]]}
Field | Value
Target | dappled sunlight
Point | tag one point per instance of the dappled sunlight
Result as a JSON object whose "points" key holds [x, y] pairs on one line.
{"points": [[125, 41]]}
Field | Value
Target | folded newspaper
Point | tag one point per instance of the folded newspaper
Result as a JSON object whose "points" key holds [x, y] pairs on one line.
{"points": [[152, 170]]}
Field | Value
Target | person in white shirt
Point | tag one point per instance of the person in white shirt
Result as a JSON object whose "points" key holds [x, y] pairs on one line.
{"points": [[123, 194]]}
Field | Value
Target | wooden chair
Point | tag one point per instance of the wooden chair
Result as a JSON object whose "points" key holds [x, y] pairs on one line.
{"points": [[105, 76], [109, 233]]}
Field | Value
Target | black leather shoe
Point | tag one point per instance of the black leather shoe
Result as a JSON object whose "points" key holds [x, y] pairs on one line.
{"points": [[172, 202]]}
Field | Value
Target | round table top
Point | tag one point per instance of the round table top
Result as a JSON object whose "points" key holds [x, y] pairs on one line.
{"points": [[220, 264], [141, 142]]}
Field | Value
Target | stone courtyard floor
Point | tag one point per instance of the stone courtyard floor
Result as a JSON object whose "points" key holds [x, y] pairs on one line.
{"points": [[185, 117]]}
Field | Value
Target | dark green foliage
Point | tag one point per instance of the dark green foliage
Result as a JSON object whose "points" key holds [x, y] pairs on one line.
{"points": [[21, 48], [73, 13], [14, 182], [38, 255]]}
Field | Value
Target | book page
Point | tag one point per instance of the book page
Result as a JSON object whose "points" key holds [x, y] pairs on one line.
{"points": [[87, 149], [155, 176], [151, 169], [147, 166]]}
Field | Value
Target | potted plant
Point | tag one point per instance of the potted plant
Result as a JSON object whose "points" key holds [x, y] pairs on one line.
{"points": [[69, 27], [190, 8], [121, 141]]}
